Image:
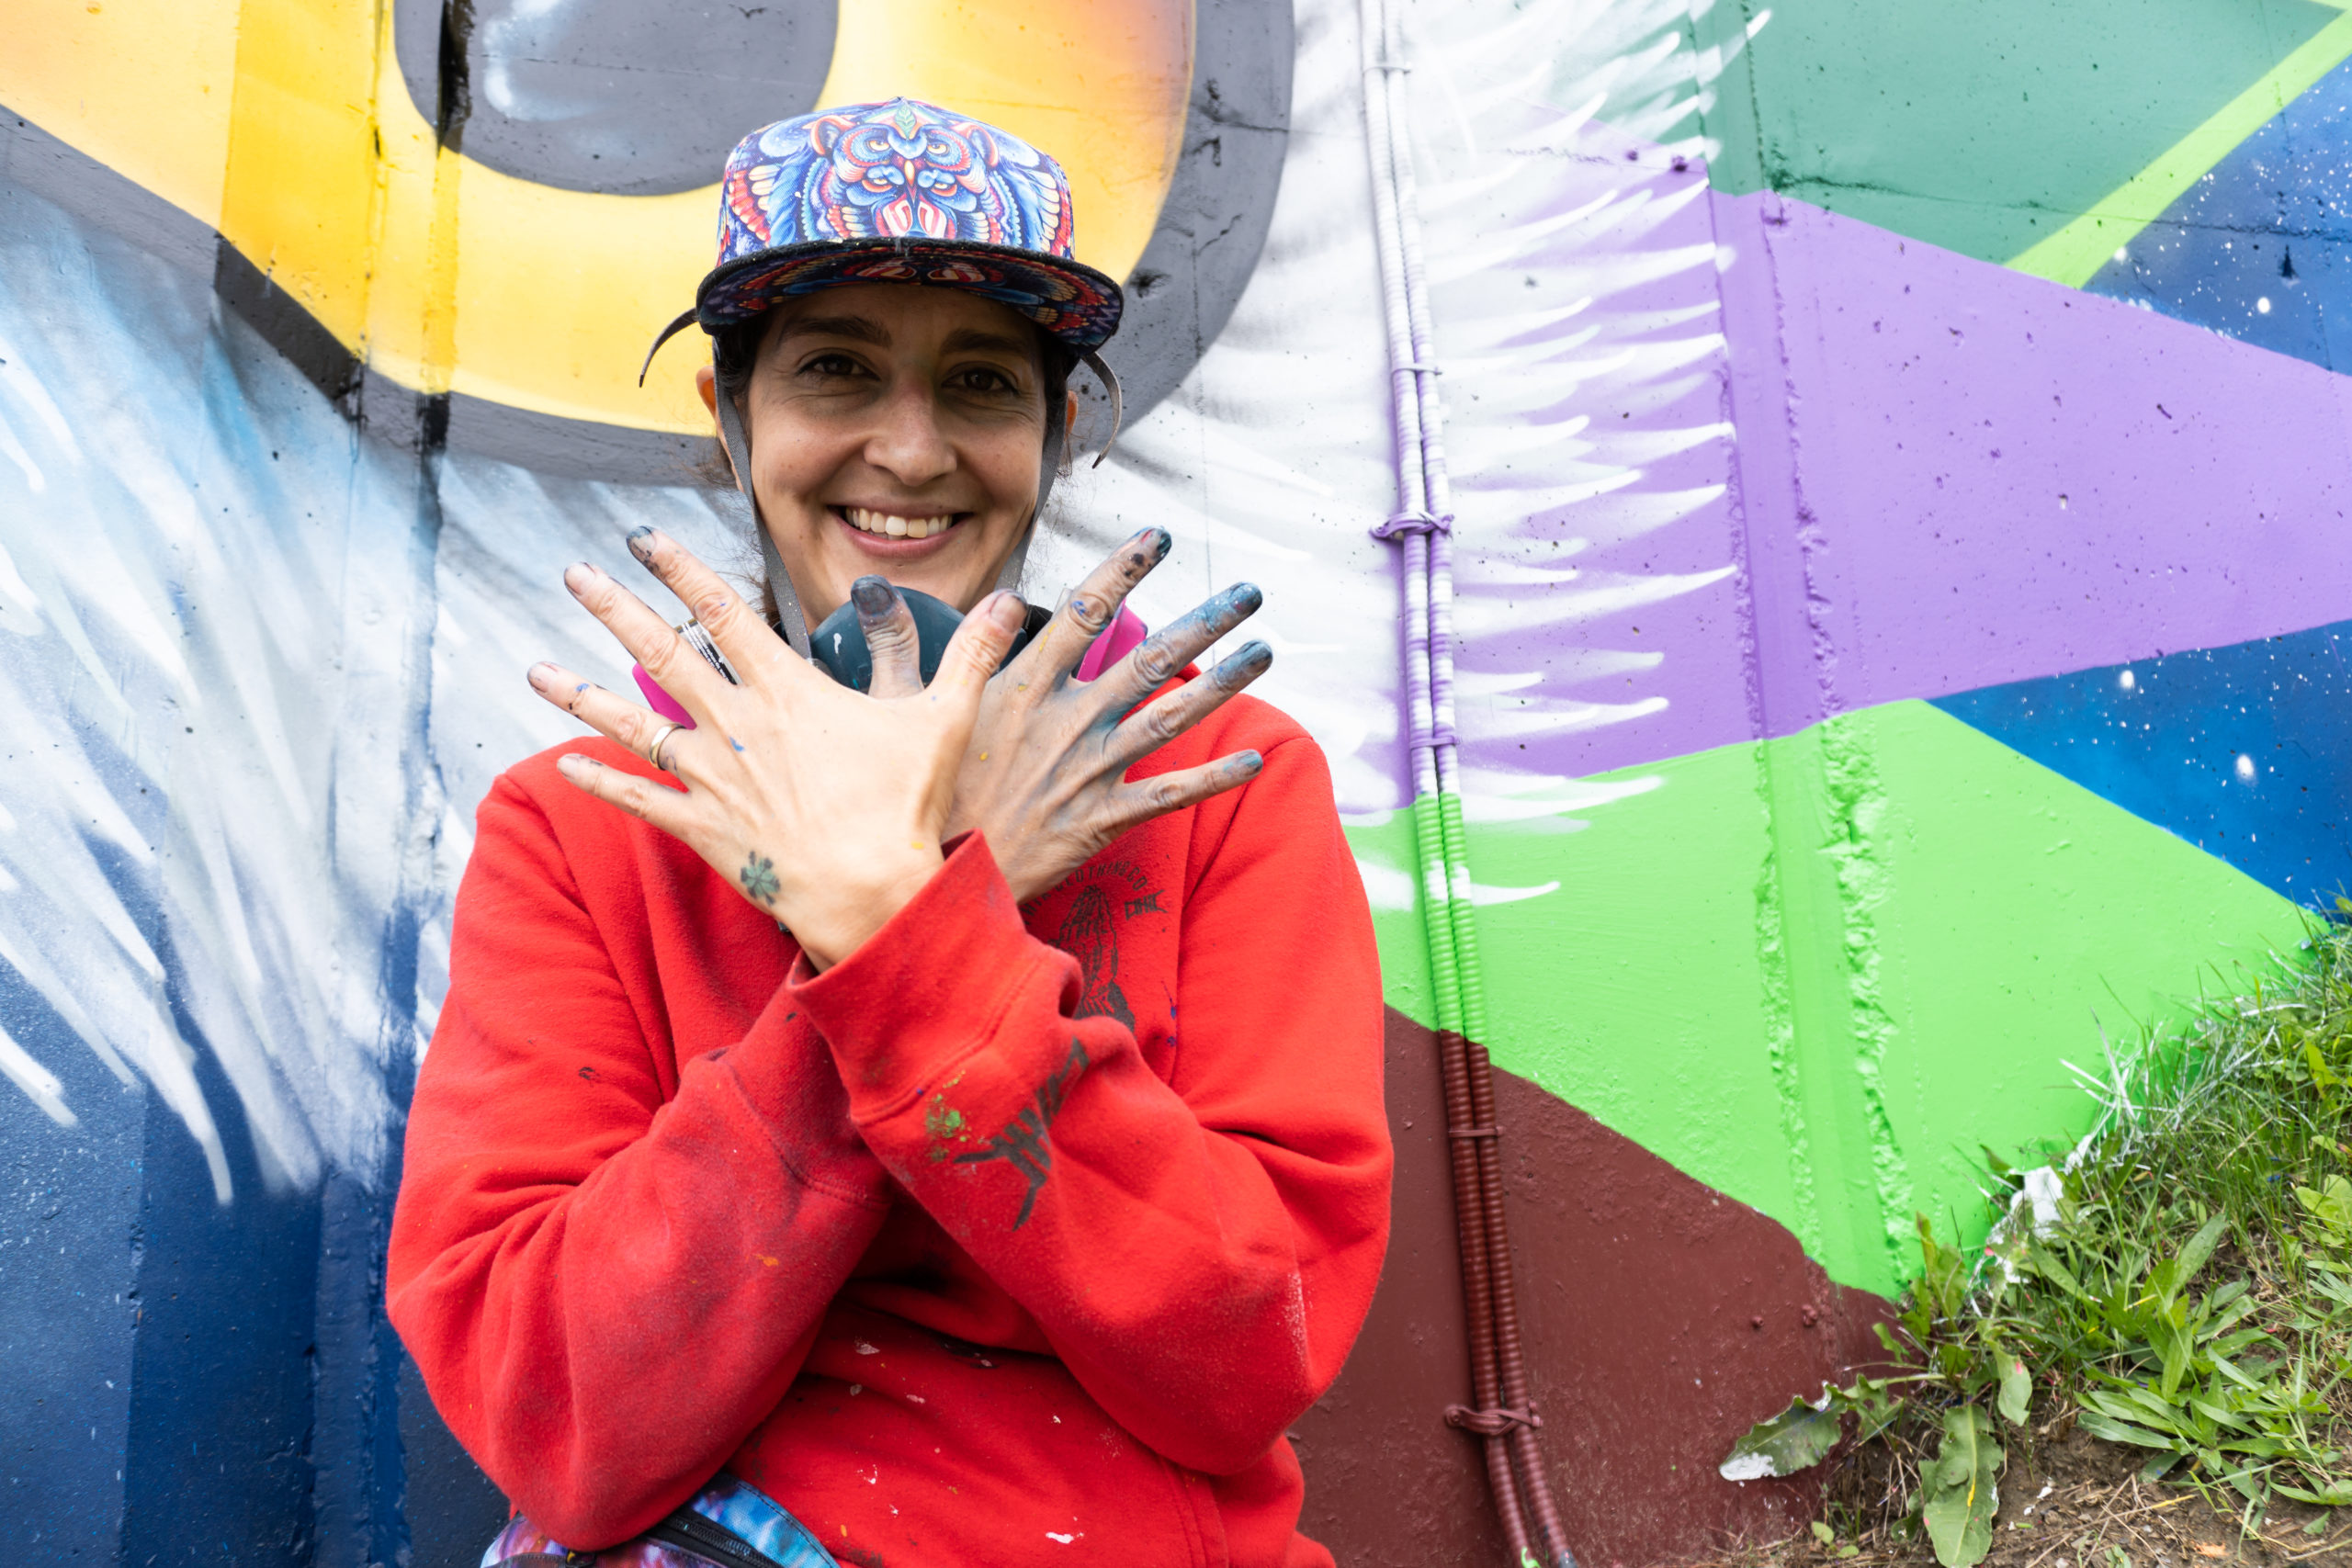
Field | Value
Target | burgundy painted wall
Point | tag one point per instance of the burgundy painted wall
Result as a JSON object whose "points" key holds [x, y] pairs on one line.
{"points": [[1665, 1320]]}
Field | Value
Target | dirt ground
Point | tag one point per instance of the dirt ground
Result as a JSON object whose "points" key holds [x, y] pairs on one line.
{"points": [[2072, 1501]]}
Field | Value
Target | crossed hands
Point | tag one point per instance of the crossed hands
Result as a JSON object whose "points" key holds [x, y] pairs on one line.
{"points": [[826, 807]]}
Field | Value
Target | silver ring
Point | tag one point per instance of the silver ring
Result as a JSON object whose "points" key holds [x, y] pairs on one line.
{"points": [[698, 638], [660, 738]]}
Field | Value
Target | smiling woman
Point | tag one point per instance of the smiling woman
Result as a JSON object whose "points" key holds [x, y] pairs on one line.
{"points": [[804, 1163], [899, 429]]}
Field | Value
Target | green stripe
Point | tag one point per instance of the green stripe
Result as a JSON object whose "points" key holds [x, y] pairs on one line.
{"points": [[1815, 973], [1984, 128], [1436, 916], [2071, 255]]}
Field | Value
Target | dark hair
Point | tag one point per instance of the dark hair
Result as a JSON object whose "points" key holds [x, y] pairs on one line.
{"points": [[735, 352]]}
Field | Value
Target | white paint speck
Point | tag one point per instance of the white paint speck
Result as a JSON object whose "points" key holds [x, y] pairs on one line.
{"points": [[2122, 253], [1057, 1535], [2262, 306], [2126, 682], [2042, 1188], [864, 1348], [2245, 769]]}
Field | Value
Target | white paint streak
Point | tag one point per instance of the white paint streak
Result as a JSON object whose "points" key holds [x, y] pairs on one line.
{"points": [[1271, 461]]}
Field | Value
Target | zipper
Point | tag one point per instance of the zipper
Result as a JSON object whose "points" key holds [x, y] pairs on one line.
{"points": [[710, 1539]]}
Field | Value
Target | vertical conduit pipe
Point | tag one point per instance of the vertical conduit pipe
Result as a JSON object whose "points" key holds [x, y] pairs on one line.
{"points": [[1422, 526]]}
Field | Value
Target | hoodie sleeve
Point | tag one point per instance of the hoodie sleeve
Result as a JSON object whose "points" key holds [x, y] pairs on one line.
{"points": [[1198, 1251], [607, 1280]]}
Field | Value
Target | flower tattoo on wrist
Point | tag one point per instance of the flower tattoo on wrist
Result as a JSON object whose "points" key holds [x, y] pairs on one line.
{"points": [[758, 877]]}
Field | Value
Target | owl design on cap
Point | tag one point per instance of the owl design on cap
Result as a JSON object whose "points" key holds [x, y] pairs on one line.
{"points": [[902, 191]]}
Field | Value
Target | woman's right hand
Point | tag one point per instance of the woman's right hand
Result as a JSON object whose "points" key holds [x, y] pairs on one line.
{"points": [[824, 806], [1044, 776]]}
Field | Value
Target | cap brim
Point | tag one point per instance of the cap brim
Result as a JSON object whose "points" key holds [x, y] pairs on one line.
{"points": [[1069, 299]]}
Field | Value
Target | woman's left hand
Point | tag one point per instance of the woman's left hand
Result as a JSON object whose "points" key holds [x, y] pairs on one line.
{"points": [[1045, 775], [825, 807]]}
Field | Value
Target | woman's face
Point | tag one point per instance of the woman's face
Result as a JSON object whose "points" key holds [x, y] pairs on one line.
{"points": [[895, 430]]}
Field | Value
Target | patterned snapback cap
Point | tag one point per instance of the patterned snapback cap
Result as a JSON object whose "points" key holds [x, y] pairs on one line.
{"points": [[901, 192]]}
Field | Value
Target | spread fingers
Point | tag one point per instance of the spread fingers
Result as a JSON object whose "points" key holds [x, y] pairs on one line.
{"points": [[1145, 799], [665, 808], [1090, 609], [978, 647], [733, 626], [650, 640], [1163, 655], [1149, 729], [892, 640], [634, 728]]}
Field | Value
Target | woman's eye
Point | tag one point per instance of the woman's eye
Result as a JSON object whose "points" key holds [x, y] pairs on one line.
{"points": [[829, 365], [982, 379]]}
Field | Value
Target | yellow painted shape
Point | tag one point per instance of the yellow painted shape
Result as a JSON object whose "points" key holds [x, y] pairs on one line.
{"points": [[2077, 250], [1088, 81], [447, 274], [141, 85], [300, 194]]}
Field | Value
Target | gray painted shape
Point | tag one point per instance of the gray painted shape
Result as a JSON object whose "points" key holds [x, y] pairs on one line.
{"points": [[623, 98], [33, 160], [1213, 223]]}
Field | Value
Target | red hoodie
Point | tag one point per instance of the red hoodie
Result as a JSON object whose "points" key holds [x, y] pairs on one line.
{"points": [[1019, 1236]]}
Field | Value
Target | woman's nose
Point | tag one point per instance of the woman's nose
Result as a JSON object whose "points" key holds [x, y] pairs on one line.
{"points": [[907, 441]]}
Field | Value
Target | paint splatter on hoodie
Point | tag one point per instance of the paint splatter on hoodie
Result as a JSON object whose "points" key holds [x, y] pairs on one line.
{"points": [[1021, 1235]]}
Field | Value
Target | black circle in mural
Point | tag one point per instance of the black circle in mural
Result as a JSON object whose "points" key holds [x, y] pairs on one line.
{"points": [[639, 97], [623, 98], [1213, 221]]}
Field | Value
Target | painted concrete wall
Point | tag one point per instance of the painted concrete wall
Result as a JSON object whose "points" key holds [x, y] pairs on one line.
{"points": [[1902, 474]]}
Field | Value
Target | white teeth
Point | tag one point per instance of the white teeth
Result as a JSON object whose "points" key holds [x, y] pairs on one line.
{"points": [[867, 521]]}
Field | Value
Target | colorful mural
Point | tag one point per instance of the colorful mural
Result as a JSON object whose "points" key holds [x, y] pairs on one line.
{"points": [[1898, 466]]}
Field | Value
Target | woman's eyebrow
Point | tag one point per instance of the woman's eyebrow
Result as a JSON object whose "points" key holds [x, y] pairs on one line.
{"points": [[963, 338], [858, 329]]}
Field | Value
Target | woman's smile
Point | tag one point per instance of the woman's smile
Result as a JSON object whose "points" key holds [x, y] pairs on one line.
{"points": [[890, 531]]}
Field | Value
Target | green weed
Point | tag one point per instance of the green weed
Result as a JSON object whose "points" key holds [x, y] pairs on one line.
{"points": [[2180, 1283]]}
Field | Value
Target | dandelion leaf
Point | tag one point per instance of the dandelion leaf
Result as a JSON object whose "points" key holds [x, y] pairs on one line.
{"points": [[2017, 1388], [1797, 1438], [1959, 1494]]}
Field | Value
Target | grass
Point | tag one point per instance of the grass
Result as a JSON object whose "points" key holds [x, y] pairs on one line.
{"points": [[2179, 1285]]}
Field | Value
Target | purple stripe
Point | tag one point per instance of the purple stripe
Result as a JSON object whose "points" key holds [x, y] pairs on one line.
{"points": [[1908, 421]]}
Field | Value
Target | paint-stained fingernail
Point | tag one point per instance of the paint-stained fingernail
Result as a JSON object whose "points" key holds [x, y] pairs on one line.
{"points": [[571, 764], [1245, 596], [641, 544], [578, 575], [1162, 541], [1248, 763], [542, 675], [872, 596], [1249, 658], [1006, 610]]}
